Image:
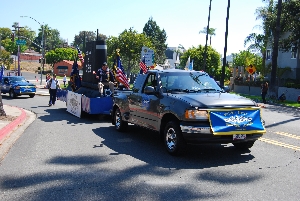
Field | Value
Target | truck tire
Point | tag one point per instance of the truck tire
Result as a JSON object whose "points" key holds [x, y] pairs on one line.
{"points": [[31, 95], [12, 94], [243, 145], [173, 139], [120, 125]]}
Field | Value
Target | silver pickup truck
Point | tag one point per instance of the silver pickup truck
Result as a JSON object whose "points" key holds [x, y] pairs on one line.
{"points": [[187, 107]]}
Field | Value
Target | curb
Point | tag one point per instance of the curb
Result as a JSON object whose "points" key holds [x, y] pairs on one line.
{"points": [[9, 127]]}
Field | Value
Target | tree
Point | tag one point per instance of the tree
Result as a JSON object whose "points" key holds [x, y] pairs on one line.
{"points": [[258, 43], [197, 55], [54, 40], [130, 43], [86, 36], [5, 59], [47, 35], [23, 33], [5, 33], [59, 54], [211, 32], [275, 48], [158, 38], [290, 23], [245, 58]]}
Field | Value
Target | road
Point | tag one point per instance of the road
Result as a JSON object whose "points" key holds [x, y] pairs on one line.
{"points": [[62, 157]]}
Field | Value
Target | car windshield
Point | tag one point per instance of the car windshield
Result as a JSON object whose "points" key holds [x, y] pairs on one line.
{"points": [[17, 79], [194, 81]]}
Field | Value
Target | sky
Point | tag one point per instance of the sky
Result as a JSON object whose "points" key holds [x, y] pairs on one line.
{"points": [[181, 19]]}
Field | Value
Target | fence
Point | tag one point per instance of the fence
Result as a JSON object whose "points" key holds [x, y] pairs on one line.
{"points": [[290, 93]]}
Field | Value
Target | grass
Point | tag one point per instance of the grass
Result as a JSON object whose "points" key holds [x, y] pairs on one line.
{"points": [[258, 99]]}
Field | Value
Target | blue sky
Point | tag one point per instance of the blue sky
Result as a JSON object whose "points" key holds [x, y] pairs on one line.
{"points": [[182, 20]]}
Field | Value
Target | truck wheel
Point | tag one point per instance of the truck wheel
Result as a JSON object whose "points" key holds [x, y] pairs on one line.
{"points": [[173, 139], [120, 125], [243, 145], [31, 95], [12, 93]]}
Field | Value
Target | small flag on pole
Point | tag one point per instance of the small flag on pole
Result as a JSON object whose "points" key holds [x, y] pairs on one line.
{"points": [[187, 65], [191, 66], [80, 55], [121, 76], [143, 66]]}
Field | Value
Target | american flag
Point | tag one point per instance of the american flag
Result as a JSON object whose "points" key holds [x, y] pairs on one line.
{"points": [[80, 55], [143, 66], [121, 66], [122, 78], [121, 74]]}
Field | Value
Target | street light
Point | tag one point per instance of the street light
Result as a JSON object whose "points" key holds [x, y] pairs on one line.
{"points": [[43, 47]]}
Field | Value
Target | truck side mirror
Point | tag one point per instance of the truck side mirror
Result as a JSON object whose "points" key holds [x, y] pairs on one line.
{"points": [[149, 90]]}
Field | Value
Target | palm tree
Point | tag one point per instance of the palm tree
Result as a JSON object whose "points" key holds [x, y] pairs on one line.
{"points": [[207, 30], [211, 32], [47, 33], [260, 41]]}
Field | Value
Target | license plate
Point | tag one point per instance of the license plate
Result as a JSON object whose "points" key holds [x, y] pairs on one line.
{"points": [[239, 136]]}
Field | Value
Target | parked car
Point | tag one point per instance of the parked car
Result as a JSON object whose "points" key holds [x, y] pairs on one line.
{"points": [[17, 86]]}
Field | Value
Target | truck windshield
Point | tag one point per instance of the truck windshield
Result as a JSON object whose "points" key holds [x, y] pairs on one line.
{"points": [[17, 79], [193, 81]]}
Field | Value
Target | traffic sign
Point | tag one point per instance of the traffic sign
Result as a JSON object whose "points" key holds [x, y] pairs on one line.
{"points": [[148, 54], [251, 69], [21, 42]]}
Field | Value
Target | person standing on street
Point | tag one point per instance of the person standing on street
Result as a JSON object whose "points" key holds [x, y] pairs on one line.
{"points": [[53, 85], [64, 80], [264, 91], [106, 78]]}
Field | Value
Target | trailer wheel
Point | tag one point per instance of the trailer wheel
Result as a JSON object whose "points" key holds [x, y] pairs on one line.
{"points": [[120, 125]]}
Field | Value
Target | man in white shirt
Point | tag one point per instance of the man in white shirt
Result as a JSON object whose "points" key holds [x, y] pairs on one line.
{"points": [[64, 80], [53, 85]]}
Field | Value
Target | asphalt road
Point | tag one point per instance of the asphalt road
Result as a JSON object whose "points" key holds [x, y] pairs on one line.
{"points": [[62, 157]]}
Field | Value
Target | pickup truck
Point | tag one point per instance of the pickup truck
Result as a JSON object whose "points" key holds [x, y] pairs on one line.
{"points": [[187, 107], [17, 86]]}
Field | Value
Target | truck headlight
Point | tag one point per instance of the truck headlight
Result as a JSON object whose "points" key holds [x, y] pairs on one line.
{"points": [[196, 114], [17, 87]]}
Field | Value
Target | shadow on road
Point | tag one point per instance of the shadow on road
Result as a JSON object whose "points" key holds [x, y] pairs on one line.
{"points": [[147, 146]]}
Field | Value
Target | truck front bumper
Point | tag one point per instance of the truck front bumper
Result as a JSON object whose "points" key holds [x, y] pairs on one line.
{"points": [[202, 134]]}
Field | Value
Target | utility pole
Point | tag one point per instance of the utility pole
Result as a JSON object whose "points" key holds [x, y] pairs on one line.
{"points": [[225, 48], [17, 31], [207, 30]]}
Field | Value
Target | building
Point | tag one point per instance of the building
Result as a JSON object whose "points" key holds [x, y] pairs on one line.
{"points": [[172, 56], [65, 67], [30, 55], [287, 59]]}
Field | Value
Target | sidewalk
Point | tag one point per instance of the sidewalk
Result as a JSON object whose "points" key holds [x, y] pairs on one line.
{"points": [[12, 126], [14, 117]]}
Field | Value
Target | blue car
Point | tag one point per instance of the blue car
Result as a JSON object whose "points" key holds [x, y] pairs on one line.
{"points": [[17, 86]]}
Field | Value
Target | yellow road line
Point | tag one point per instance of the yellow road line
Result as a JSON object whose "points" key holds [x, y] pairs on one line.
{"points": [[288, 135], [274, 142]]}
